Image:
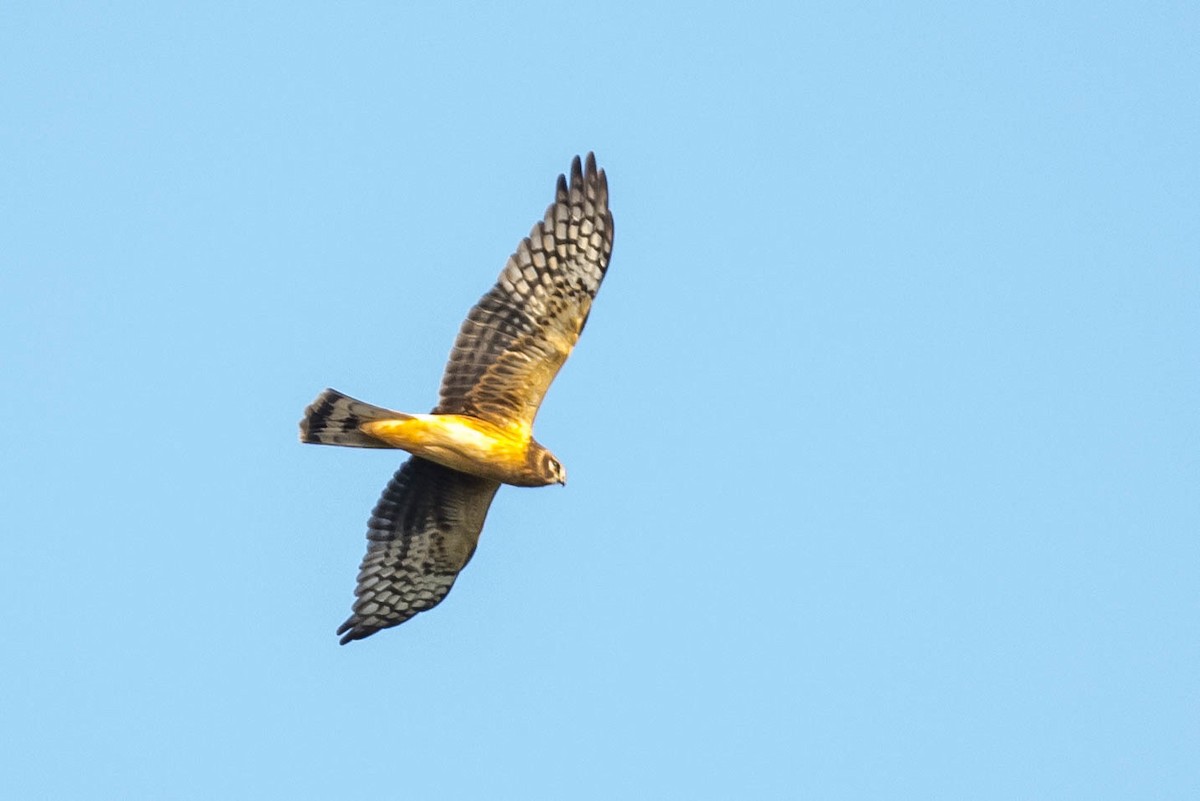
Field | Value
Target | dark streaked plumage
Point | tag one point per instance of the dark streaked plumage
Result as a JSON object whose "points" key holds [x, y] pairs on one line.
{"points": [[516, 338], [421, 534]]}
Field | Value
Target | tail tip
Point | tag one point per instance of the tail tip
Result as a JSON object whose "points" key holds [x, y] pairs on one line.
{"points": [[318, 416]]}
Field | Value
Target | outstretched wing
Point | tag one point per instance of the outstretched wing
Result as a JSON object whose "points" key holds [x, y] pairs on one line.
{"points": [[421, 534], [514, 341]]}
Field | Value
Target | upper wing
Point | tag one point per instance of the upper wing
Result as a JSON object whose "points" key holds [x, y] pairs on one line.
{"points": [[514, 341], [421, 534]]}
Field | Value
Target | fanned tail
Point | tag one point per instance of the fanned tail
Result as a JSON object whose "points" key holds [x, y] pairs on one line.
{"points": [[334, 419]]}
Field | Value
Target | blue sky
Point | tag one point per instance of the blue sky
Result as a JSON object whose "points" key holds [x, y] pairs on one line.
{"points": [[883, 437]]}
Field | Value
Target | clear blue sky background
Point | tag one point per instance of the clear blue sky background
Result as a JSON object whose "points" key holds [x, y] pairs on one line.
{"points": [[884, 436]]}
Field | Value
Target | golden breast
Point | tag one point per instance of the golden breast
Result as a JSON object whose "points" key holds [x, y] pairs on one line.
{"points": [[459, 442]]}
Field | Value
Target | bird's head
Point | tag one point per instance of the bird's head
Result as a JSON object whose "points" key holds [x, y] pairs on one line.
{"points": [[551, 470]]}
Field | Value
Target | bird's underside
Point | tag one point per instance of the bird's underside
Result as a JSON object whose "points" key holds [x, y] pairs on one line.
{"points": [[458, 441], [515, 339]]}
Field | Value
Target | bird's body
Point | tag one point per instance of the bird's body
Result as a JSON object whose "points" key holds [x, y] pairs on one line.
{"points": [[462, 442], [506, 454], [511, 346]]}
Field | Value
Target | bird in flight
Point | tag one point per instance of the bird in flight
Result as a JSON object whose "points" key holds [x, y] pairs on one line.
{"points": [[426, 524]]}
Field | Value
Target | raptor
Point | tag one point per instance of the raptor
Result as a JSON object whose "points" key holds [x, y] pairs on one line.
{"points": [[426, 525]]}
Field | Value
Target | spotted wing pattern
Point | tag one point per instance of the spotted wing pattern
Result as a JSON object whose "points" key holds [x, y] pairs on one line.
{"points": [[421, 534], [516, 338]]}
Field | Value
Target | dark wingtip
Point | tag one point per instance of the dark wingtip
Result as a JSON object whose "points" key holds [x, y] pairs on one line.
{"points": [[590, 174], [583, 170], [351, 632]]}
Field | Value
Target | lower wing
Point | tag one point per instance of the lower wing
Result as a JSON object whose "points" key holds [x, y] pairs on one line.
{"points": [[421, 534]]}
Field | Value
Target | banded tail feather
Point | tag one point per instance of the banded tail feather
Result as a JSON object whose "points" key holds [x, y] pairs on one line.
{"points": [[334, 419]]}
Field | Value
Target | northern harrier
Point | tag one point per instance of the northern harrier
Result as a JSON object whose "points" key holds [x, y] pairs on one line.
{"points": [[512, 344]]}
